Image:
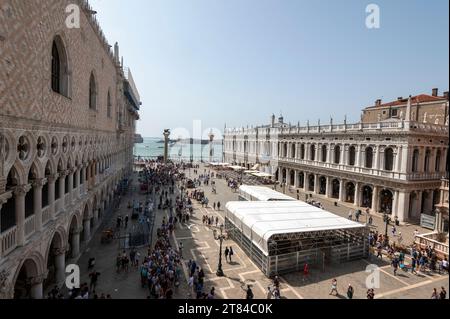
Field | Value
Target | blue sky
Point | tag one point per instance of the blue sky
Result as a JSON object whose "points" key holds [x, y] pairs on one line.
{"points": [[239, 61]]}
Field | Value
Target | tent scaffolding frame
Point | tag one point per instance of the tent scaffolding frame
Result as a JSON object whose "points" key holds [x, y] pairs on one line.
{"points": [[290, 251]]}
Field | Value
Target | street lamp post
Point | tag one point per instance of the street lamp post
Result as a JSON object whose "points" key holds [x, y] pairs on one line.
{"points": [[220, 237], [386, 219]]}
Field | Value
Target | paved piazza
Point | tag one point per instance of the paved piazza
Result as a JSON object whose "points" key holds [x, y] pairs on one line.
{"points": [[199, 244]]}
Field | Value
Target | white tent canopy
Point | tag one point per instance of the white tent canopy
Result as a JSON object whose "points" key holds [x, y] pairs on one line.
{"points": [[237, 168], [262, 174], [263, 193], [259, 220]]}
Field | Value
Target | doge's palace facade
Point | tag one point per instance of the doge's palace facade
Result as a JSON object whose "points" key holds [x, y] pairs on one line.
{"points": [[67, 123]]}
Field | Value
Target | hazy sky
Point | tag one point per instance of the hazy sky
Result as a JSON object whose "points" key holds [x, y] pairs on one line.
{"points": [[239, 61]]}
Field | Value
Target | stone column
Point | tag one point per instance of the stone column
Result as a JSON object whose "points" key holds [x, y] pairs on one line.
{"points": [[345, 160], [306, 182], [357, 201], [37, 291], [77, 180], [395, 204], [75, 244], [398, 159], [328, 187], [70, 182], [381, 159], [342, 156], [419, 203], [60, 265], [432, 164], [37, 202], [19, 194], [87, 229], [61, 191], [341, 190], [376, 163], [403, 206], [316, 184], [357, 155], [421, 160], [51, 193], [376, 189]]}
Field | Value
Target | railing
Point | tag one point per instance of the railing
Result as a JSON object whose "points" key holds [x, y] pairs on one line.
{"points": [[439, 247], [82, 188], [8, 241], [45, 215], [30, 225], [390, 126], [58, 206], [424, 176]]}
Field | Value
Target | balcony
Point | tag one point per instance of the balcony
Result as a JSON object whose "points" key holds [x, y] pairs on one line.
{"points": [[8, 241]]}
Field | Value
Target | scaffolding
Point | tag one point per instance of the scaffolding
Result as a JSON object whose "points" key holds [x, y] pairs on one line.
{"points": [[285, 250]]}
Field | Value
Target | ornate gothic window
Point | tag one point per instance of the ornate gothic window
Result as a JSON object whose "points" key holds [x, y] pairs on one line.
{"points": [[109, 105], [92, 93], [23, 148], [40, 146], [60, 78]]}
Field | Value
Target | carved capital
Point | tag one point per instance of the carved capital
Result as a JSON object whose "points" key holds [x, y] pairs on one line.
{"points": [[59, 251], [52, 178], [5, 196], [21, 190], [39, 182]]}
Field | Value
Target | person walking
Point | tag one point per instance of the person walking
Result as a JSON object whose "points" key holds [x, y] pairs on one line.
{"points": [[350, 292], [434, 295], [249, 292], [350, 214], [334, 287], [214, 205], [269, 293], [227, 251], [443, 293], [305, 272], [94, 277], [395, 263], [126, 221], [370, 294], [231, 253], [218, 205]]}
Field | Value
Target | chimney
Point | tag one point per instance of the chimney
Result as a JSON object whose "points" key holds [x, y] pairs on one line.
{"points": [[446, 94], [434, 92], [378, 102], [400, 98]]}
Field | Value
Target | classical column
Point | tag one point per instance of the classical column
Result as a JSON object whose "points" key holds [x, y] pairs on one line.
{"points": [[37, 291], [375, 199], [51, 193], [419, 203], [376, 164], [37, 202], [75, 243], [342, 155], [345, 160], [395, 203], [86, 229], [61, 185], [381, 159], [432, 163], [341, 190], [398, 159], [316, 184], [357, 155], [60, 265], [357, 201], [19, 194], [421, 160], [77, 180], [70, 184], [403, 206], [306, 182], [328, 187]]}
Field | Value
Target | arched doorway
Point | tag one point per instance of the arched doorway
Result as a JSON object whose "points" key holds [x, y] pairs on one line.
{"points": [[292, 178], [335, 185], [366, 196], [350, 192], [55, 262], [322, 185], [26, 285], [74, 239], [311, 182], [386, 198]]}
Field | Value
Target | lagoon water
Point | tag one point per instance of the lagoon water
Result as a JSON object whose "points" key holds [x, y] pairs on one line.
{"points": [[152, 147]]}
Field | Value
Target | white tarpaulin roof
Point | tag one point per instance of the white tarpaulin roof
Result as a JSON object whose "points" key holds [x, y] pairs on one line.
{"points": [[237, 168], [259, 220], [262, 174], [264, 193]]}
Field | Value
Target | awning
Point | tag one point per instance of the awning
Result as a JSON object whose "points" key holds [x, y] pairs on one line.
{"points": [[256, 167], [237, 168]]}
